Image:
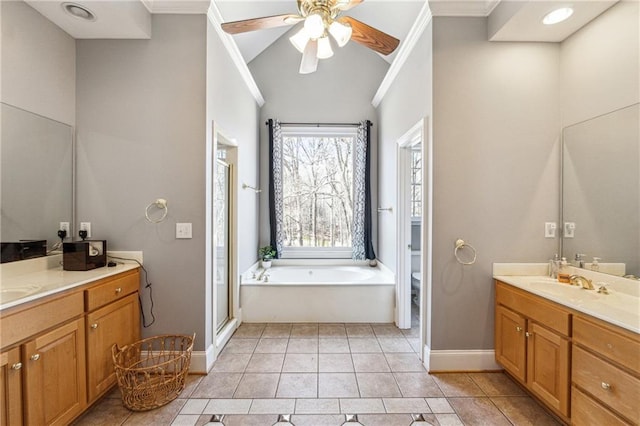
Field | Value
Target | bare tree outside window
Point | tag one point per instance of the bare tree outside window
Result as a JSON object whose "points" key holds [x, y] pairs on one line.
{"points": [[416, 183], [317, 185]]}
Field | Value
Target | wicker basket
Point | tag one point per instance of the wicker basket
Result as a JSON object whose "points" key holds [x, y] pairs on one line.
{"points": [[152, 371]]}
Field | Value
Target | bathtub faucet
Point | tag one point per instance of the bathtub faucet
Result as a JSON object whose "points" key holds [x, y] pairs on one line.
{"points": [[261, 274]]}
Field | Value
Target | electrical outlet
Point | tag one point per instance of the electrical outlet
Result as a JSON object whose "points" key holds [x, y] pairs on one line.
{"points": [[550, 229], [183, 230], [569, 229], [64, 226], [86, 226]]}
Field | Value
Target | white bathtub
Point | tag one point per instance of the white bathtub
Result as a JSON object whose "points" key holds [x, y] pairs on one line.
{"points": [[307, 291]]}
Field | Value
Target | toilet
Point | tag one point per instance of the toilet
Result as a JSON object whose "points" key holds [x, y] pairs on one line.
{"points": [[415, 287]]}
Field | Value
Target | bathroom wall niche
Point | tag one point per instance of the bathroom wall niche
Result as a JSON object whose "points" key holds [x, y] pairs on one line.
{"points": [[601, 188], [36, 155]]}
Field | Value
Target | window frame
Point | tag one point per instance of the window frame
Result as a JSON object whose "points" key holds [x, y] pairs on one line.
{"points": [[307, 252]]}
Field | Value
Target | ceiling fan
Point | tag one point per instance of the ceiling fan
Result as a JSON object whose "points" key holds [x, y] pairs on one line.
{"points": [[321, 19]]}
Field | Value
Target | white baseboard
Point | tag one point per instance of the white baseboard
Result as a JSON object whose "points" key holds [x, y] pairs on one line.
{"points": [[202, 361], [461, 360]]}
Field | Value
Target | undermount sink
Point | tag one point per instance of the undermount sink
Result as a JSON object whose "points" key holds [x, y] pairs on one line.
{"points": [[567, 292], [8, 294]]}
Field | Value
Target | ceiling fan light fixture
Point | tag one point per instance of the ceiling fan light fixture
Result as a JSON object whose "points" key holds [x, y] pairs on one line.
{"points": [[557, 16], [340, 32], [324, 48], [314, 25], [300, 40]]}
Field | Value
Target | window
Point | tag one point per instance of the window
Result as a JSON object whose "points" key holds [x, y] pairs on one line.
{"points": [[416, 182], [317, 191]]}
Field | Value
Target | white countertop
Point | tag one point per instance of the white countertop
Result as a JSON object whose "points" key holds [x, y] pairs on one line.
{"points": [[23, 285], [620, 307]]}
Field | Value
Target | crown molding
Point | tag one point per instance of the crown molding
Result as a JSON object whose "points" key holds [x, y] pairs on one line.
{"points": [[421, 22], [216, 19], [462, 8], [177, 6]]}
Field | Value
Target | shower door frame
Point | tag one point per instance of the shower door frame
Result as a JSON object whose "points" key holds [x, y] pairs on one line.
{"points": [[217, 339]]}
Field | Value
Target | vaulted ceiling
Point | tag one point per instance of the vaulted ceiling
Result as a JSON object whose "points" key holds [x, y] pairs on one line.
{"points": [[508, 20]]}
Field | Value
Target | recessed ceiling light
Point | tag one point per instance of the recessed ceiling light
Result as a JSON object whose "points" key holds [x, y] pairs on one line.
{"points": [[79, 11], [557, 15]]}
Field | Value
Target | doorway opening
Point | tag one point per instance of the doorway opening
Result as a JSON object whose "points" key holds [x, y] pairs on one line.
{"points": [[414, 232]]}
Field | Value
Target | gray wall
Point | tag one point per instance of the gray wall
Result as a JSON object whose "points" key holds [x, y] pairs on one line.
{"points": [[38, 63], [408, 101], [235, 112], [340, 91], [496, 133], [144, 110]]}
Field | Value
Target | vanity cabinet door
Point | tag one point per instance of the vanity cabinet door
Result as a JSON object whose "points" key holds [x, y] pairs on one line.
{"points": [[10, 388], [548, 366], [55, 375], [117, 323], [510, 342]]}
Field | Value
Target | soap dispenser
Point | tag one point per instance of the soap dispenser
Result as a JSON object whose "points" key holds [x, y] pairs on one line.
{"points": [[563, 271], [554, 265], [595, 265]]}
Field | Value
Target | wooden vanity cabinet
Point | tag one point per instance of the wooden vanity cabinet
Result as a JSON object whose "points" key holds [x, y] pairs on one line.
{"points": [[54, 375], [56, 352], [10, 384], [605, 373], [116, 323], [532, 344]]}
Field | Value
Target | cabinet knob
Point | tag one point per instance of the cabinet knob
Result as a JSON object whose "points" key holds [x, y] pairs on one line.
{"points": [[118, 290], [94, 325], [527, 334], [35, 357], [518, 329], [16, 366], [605, 386]]}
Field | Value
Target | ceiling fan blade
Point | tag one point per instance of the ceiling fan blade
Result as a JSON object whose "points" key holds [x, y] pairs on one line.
{"points": [[309, 61], [247, 25], [370, 37], [346, 4]]}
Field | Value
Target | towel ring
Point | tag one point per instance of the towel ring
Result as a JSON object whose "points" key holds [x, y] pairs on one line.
{"points": [[460, 244], [160, 203]]}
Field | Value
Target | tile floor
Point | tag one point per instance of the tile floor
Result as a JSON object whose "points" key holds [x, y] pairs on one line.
{"points": [[320, 372]]}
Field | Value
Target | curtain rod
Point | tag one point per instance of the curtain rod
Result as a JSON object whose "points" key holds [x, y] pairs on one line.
{"points": [[318, 124]]}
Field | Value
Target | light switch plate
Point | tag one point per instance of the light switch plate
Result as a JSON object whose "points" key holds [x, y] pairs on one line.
{"points": [[183, 230]]}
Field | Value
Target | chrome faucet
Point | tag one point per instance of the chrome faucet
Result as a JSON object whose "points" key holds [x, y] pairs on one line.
{"points": [[264, 271], [581, 281], [580, 259]]}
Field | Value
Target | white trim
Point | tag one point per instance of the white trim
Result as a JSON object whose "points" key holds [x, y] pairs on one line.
{"points": [[423, 19], [463, 8], [202, 361], [403, 233], [426, 357], [216, 20], [462, 360]]}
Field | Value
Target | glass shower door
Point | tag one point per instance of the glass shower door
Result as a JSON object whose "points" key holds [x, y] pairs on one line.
{"points": [[221, 243]]}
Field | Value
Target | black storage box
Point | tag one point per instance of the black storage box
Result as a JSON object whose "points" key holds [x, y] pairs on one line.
{"points": [[84, 255], [21, 250]]}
